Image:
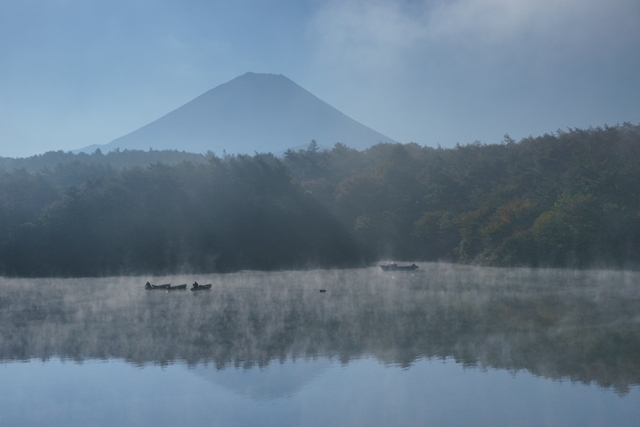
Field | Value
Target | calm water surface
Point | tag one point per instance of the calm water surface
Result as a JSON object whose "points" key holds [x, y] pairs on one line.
{"points": [[446, 345]]}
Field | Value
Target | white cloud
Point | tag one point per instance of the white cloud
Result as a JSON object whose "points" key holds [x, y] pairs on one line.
{"points": [[576, 24], [380, 33], [457, 70], [485, 20], [366, 33]]}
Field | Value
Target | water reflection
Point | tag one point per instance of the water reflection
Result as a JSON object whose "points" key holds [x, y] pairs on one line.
{"points": [[278, 380], [579, 325]]}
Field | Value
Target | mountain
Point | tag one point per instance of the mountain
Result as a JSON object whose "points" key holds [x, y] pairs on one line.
{"points": [[253, 112]]}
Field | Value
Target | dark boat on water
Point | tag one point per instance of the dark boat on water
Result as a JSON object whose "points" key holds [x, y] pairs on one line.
{"points": [[197, 287], [177, 288], [395, 267], [149, 286]]}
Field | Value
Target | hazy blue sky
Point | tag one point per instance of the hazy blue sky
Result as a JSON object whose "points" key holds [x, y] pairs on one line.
{"points": [[75, 73]]}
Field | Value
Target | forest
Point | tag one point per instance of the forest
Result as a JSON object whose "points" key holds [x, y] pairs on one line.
{"points": [[567, 199]]}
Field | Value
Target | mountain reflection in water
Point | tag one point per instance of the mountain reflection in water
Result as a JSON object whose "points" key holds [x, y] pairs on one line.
{"points": [[577, 325], [279, 380]]}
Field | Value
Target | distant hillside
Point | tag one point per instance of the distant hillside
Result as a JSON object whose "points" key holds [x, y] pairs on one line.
{"points": [[568, 199], [251, 113], [116, 159]]}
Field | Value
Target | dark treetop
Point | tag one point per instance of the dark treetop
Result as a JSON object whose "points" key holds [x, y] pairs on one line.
{"points": [[564, 200]]}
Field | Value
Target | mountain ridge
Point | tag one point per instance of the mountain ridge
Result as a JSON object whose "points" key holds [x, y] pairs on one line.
{"points": [[253, 112]]}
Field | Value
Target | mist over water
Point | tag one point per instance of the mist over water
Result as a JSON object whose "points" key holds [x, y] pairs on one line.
{"points": [[559, 324], [443, 345]]}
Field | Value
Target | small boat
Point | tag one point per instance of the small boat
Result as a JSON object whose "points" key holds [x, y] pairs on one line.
{"points": [[178, 287], [197, 287], [149, 286], [395, 267]]}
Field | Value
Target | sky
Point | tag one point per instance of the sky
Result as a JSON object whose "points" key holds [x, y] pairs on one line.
{"points": [[75, 73]]}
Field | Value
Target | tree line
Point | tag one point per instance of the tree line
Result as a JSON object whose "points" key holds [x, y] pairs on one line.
{"points": [[567, 199], [224, 215]]}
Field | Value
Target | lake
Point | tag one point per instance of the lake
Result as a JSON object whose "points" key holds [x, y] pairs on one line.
{"points": [[443, 345]]}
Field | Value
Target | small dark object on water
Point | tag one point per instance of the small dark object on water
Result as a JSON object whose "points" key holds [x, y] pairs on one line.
{"points": [[197, 287], [395, 267], [177, 288], [323, 291], [149, 286]]}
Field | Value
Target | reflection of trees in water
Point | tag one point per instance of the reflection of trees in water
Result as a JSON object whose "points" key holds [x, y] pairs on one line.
{"points": [[584, 326]]}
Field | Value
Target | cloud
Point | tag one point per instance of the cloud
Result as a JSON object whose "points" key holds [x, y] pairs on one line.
{"points": [[366, 33], [579, 25], [380, 33], [456, 70], [488, 21]]}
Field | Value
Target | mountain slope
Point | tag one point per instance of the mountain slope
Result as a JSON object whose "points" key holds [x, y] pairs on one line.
{"points": [[253, 112]]}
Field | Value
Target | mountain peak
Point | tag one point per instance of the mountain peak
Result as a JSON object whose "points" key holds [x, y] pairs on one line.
{"points": [[253, 112]]}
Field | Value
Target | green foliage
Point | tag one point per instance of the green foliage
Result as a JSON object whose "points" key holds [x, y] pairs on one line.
{"points": [[116, 160], [240, 213], [568, 199]]}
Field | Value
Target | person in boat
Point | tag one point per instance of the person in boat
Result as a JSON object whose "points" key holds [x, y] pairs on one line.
{"points": [[197, 287]]}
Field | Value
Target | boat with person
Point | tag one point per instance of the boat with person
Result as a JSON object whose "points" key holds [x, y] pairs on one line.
{"points": [[395, 267], [197, 287], [150, 287]]}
